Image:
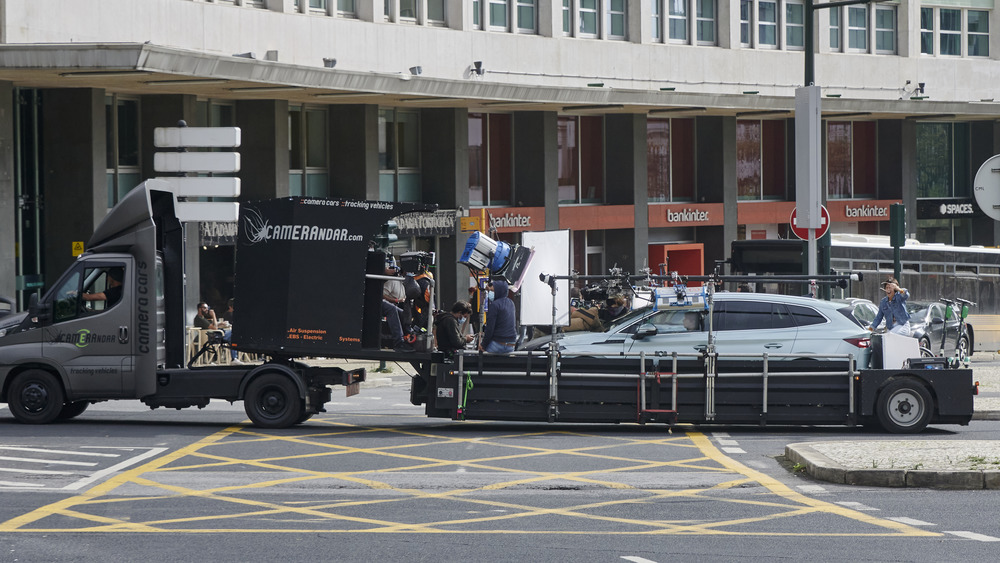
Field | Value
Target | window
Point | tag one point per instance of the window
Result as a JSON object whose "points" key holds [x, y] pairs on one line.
{"points": [[581, 159], [477, 7], [87, 291], [979, 33], [490, 159], [950, 32], [346, 7], [588, 17], [122, 146], [399, 155], [678, 20], [745, 6], [498, 14], [656, 19], [308, 171], [435, 11], [943, 160], [407, 9], [851, 159], [927, 31], [805, 316], [567, 16], [795, 22], [767, 17], [885, 29], [670, 160], [857, 28], [943, 29], [705, 24], [616, 19], [760, 159], [834, 29], [526, 15]]}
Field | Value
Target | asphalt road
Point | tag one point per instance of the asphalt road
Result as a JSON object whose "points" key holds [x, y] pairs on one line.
{"points": [[376, 480]]}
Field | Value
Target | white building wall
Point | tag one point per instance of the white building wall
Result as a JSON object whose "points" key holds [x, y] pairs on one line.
{"points": [[305, 39]]}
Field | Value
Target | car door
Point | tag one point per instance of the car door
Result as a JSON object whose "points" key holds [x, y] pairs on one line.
{"points": [[754, 327], [670, 330], [90, 338]]}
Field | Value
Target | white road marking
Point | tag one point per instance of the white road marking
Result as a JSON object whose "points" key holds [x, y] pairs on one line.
{"points": [[727, 442], [48, 461], [910, 521], [720, 435], [45, 451], [20, 485], [635, 559], [812, 488], [858, 506], [35, 471], [732, 450], [974, 536], [104, 472]]}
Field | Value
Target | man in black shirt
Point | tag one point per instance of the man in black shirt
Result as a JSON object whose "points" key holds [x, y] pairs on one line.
{"points": [[113, 293]]}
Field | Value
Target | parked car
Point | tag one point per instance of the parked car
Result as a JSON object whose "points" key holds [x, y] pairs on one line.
{"points": [[744, 323], [932, 322]]}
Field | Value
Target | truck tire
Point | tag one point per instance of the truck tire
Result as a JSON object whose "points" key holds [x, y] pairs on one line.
{"points": [[272, 401], [72, 410], [904, 406], [35, 397]]}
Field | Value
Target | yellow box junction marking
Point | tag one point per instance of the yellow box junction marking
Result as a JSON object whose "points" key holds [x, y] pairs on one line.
{"points": [[475, 508]]}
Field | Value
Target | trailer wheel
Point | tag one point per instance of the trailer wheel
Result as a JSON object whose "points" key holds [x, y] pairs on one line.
{"points": [[904, 407], [72, 410], [272, 401], [35, 397]]}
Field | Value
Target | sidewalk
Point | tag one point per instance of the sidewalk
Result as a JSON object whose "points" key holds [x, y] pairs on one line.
{"points": [[939, 464]]}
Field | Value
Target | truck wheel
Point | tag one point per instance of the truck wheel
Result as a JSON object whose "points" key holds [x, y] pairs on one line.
{"points": [[904, 407], [272, 401], [72, 410], [35, 397]]}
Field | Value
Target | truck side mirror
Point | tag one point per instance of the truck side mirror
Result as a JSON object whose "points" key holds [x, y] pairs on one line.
{"points": [[38, 312]]}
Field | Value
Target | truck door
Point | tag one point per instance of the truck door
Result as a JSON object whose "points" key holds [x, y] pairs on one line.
{"points": [[90, 333]]}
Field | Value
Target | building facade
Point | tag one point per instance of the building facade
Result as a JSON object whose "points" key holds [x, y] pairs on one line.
{"points": [[655, 131]]}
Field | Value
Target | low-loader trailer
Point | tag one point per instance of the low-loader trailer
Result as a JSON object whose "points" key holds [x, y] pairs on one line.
{"points": [[309, 276]]}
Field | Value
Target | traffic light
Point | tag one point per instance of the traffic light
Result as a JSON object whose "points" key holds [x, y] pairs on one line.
{"points": [[897, 225]]}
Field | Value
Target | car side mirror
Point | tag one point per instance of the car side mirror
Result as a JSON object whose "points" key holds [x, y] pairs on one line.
{"points": [[644, 331], [937, 321]]}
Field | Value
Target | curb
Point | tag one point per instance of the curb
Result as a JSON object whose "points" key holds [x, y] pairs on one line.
{"points": [[986, 415], [823, 468]]}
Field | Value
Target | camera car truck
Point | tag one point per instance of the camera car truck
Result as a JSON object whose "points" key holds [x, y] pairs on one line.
{"points": [[113, 325], [309, 277]]}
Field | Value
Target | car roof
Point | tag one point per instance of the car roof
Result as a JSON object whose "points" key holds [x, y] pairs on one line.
{"points": [[777, 298]]}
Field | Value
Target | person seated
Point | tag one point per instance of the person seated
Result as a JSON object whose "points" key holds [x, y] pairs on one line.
{"points": [[112, 294], [205, 319], [615, 307], [448, 327], [582, 317], [393, 298], [692, 321]]}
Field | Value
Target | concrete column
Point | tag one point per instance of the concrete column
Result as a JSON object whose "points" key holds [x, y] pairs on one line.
{"points": [[536, 176], [369, 10], [75, 175], [8, 281], [163, 110], [264, 154], [639, 16], [444, 151], [353, 151], [715, 168], [458, 15], [626, 178], [908, 173], [549, 18]]}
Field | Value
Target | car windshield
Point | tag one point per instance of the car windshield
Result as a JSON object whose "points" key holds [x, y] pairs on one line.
{"points": [[917, 309], [628, 318]]}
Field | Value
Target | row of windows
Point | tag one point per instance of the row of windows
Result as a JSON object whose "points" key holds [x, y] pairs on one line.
{"points": [[764, 24], [764, 156]]}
